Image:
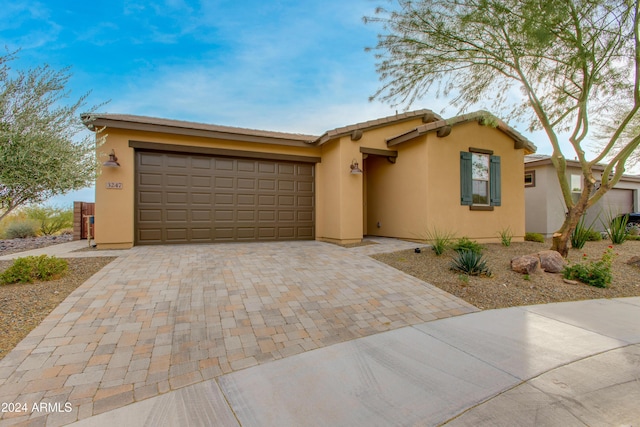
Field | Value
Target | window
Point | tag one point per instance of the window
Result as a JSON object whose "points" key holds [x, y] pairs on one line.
{"points": [[480, 178], [480, 186], [530, 178], [576, 183]]}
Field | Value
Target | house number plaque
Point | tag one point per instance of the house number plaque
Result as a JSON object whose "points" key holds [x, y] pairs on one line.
{"points": [[114, 185]]}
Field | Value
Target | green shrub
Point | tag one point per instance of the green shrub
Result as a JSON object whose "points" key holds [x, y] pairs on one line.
{"points": [[633, 237], [470, 263], [505, 236], [440, 241], [28, 269], [580, 234], [594, 236], [20, 229], [617, 230], [534, 237], [464, 244], [50, 219], [594, 273]]}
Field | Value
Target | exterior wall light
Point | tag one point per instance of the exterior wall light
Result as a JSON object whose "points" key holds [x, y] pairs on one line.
{"points": [[355, 170], [112, 162]]}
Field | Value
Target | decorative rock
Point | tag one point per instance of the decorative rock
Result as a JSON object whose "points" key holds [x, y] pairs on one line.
{"points": [[570, 282], [526, 264], [551, 261], [634, 260]]}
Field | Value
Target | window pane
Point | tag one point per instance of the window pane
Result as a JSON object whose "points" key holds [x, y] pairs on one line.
{"points": [[576, 183], [480, 192], [480, 166]]}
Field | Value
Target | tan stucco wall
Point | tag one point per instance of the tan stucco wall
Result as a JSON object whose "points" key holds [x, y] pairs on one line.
{"points": [[397, 193], [115, 208], [344, 199], [444, 211]]}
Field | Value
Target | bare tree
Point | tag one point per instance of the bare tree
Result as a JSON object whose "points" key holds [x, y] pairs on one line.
{"points": [[570, 60]]}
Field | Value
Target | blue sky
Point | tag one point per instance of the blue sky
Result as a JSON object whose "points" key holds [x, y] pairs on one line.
{"points": [[293, 66]]}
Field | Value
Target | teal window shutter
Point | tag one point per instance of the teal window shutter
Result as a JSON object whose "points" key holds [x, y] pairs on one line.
{"points": [[495, 181], [466, 185]]}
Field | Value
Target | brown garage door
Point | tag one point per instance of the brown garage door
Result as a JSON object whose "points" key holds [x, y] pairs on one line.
{"points": [[186, 198], [615, 201]]}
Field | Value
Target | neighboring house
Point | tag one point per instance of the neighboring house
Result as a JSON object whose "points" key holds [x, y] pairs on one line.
{"points": [[183, 182], [545, 207]]}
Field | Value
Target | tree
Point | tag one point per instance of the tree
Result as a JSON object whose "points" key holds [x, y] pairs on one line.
{"points": [[42, 152], [570, 59]]}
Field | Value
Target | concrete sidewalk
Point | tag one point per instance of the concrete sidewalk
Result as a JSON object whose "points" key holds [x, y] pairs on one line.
{"points": [[72, 249], [566, 364]]}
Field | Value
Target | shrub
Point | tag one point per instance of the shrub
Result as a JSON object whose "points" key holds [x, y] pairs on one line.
{"points": [[20, 229], [470, 263], [594, 273], [28, 269], [464, 244], [440, 241], [580, 235], [534, 237], [50, 219], [617, 230], [505, 236], [594, 236]]}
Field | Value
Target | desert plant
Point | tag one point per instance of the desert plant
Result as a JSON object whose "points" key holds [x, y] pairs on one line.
{"points": [[465, 244], [594, 273], [440, 240], [617, 229], [534, 237], [580, 234], [505, 236], [51, 219], [20, 229], [594, 236], [470, 263], [28, 269]]}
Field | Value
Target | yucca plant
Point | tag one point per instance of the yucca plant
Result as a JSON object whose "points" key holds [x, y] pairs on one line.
{"points": [[470, 263], [580, 234], [617, 228], [440, 241]]}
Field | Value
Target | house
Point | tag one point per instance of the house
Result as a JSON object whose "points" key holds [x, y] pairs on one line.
{"points": [[400, 176], [545, 207]]}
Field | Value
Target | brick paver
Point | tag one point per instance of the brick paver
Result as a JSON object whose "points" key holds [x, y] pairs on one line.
{"points": [[164, 317]]}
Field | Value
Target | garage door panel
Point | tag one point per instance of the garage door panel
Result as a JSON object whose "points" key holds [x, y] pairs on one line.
{"points": [[201, 163], [151, 197], [175, 198], [246, 216], [179, 181], [177, 215], [200, 216], [201, 234], [201, 182], [223, 183], [151, 179], [150, 215], [177, 235], [614, 202], [200, 198], [182, 198], [176, 161], [267, 184], [224, 164]]}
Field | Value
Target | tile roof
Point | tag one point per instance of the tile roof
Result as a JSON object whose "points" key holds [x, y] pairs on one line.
{"points": [[479, 116]]}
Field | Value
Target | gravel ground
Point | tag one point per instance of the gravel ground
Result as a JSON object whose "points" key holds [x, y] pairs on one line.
{"points": [[24, 306], [9, 246], [507, 288]]}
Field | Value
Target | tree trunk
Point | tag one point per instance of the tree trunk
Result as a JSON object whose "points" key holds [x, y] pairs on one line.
{"points": [[561, 237]]}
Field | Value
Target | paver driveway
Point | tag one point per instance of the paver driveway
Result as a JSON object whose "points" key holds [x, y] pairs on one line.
{"points": [[164, 317]]}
